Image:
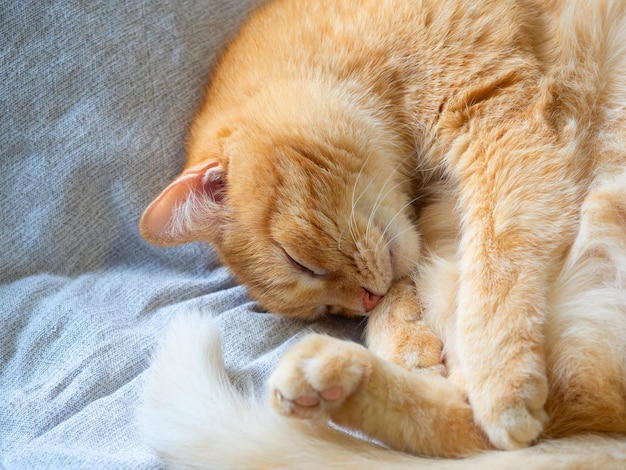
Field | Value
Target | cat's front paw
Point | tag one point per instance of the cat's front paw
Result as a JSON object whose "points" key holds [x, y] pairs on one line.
{"points": [[415, 348], [316, 376], [396, 332], [511, 412]]}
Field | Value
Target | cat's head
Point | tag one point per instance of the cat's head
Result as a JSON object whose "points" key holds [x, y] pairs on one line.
{"points": [[311, 222]]}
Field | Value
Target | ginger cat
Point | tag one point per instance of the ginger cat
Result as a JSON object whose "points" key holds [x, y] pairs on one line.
{"points": [[456, 171]]}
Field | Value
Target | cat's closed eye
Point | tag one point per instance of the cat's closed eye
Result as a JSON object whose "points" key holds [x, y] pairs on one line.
{"points": [[302, 267]]}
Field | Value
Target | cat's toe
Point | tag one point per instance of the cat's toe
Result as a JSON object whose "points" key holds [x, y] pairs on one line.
{"points": [[333, 393], [509, 404], [303, 406], [516, 428], [411, 345], [421, 356], [316, 376], [520, 423]]}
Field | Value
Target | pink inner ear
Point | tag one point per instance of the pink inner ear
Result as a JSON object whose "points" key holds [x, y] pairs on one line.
{"points": [[209, 179], [204, 178]]}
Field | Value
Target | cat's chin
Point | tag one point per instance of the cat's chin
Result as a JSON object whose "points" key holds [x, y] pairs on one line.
{"points": [[324, 310]]}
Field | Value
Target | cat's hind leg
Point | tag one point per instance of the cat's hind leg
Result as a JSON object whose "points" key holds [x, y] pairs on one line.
{"points": [[327, 378]]}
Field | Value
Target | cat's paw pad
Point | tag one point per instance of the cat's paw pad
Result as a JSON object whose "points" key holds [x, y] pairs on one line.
{"points": [[521, 423], [316, 377], [312, 404]]}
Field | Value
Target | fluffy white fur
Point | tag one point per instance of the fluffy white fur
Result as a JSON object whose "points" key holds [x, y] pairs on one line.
{"points": [[194, 418]]}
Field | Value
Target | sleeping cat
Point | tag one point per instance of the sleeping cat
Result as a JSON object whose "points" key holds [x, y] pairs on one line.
{"points": [[455, 171]]}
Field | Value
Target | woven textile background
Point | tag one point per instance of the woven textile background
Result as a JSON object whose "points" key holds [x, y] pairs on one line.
{"points": [[95, 99]]}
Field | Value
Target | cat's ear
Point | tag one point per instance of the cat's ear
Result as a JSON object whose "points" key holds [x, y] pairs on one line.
{"points": [[191, 208]]}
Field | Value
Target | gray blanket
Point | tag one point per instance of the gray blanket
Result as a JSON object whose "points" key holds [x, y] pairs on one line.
{"points": [[95, 100]]}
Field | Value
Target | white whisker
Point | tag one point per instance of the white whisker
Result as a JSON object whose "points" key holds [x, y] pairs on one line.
{"points": [[351, 221], [376, 207], [390, 241], [398, 213], [339, 240], [378, 201], [380, 197]]}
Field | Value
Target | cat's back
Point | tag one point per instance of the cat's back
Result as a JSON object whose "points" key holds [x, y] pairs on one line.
{"points": [[294, 39], [287, 39], [416, 54]]}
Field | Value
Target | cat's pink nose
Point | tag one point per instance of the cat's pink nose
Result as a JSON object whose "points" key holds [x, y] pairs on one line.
{"points": [[370, 300]]}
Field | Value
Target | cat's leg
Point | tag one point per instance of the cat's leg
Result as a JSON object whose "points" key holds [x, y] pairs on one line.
{"points": [[518, 194], [396, 331], [326, 378]]}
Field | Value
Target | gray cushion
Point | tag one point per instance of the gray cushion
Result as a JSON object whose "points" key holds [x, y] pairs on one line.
{"points": [[96, 98]]}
